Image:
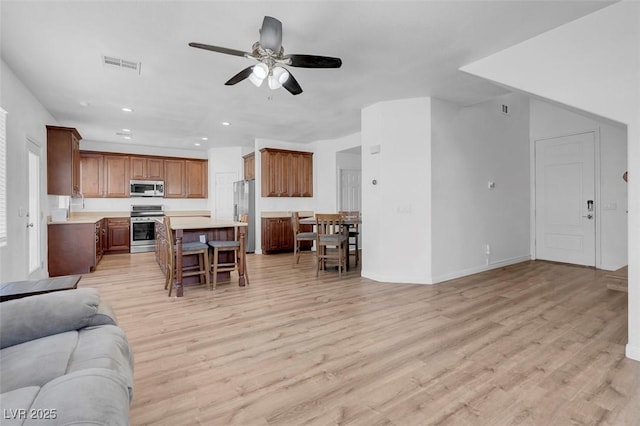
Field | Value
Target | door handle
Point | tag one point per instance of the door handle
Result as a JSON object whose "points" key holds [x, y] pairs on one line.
{"points": [[30, 225], [589, 216]]}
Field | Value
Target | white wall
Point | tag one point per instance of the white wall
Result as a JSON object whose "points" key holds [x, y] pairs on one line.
{"points": [[592, 64], [548, 120], [397, 210], [26, 118], [470, 147]]}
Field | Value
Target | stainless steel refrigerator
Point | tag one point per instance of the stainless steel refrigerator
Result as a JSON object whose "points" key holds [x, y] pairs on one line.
{"points": [[244, 202]]}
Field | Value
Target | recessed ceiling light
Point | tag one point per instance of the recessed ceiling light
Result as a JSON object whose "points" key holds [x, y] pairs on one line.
{"points": [[197, 144], [127, 137], [125, 109], [126, 130], [226, 123], [84, 104], [204, 138]]}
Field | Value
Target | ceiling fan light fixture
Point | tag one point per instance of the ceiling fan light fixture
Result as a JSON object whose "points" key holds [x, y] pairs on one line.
{"points": [[260, 71], [277, 77], [255, 80]]}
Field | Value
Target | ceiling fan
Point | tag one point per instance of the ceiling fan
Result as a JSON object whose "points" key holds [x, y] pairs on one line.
{"points": [[269, 53]]}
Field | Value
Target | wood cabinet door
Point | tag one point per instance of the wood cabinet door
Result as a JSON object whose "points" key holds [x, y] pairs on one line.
{"points": [[92, 175], [71, 248], [116, 176], [75, 164], [295, 179], [286, 234], [283, 174], [155, 168], [196, 179], [306, 175], [268, 174], [137, 167], [118, 235], [250, 166], [174, 178]]}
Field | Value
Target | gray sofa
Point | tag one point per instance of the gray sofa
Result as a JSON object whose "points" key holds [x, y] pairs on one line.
{"points": [[63, 360]]}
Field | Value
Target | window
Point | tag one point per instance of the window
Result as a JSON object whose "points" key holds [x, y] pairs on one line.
{"points": [[3, 177]]}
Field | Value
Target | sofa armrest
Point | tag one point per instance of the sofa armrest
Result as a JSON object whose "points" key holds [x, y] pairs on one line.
{"points": [[43, 315]]}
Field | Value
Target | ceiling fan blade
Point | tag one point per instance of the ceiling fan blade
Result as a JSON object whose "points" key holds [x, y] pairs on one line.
{"points": [[271, 34], [240, 76], [291, 84], [313, 61], [220, 49]]}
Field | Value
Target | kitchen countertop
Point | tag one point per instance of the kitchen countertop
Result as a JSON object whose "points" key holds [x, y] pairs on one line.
{"points": [[93, 217], [275, 214]]}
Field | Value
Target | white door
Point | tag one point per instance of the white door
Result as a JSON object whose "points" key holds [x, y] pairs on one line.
{"points": [[223, 208], [350, 190], [565, 199], [34, 222]]}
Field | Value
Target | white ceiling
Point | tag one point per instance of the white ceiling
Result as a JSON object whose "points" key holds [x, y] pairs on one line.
{"points": [[390, 50]]}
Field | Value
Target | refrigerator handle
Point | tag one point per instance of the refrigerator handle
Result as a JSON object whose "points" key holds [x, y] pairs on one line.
{"points": [[235, 212]]}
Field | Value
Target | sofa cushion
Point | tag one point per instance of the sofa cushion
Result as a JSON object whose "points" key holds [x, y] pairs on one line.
{"points": [[104, 347], [95, 396], [36, 362], [15, 405], [34, 317]]}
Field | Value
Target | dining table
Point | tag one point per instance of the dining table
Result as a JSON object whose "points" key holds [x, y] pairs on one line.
{"points": [[204, 229], [347, 223]]}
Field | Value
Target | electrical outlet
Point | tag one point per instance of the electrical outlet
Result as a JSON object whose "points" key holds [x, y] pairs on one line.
{"points": [[203, 239]]}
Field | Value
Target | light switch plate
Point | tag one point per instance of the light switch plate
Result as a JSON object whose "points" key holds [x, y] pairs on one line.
{"points": [[203, 239]]}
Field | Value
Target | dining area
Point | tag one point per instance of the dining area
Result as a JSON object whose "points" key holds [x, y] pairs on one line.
{"points": [[204, 251], [335, 238]]}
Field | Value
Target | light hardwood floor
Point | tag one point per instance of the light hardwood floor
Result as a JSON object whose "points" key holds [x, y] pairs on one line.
{"points": [[534, 344]]}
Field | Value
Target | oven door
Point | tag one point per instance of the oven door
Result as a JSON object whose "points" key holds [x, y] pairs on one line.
{"points": [[143, 235]]}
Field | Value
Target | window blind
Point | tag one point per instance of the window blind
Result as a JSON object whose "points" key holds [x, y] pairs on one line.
{"points": [[3, 177]]}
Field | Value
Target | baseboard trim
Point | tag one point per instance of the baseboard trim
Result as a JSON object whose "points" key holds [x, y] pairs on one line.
{"points": [[395, 279], [482, 268], [632, 352]]}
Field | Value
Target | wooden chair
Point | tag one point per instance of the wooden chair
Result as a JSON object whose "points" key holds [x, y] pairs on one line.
{"points": [[194, 248], [330, 235], [222, 246], [299, 237], [354, 232]]}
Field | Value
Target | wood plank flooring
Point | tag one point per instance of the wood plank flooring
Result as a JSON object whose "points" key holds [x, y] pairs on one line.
{"points": [[535, 343]]}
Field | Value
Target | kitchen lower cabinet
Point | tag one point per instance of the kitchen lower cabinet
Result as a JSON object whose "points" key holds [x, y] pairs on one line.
{"points": [[118, 235], [277, 235], [72, 248]]}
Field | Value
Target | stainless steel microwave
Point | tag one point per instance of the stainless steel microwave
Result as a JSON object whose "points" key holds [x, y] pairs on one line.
{"points": [[147, 188]]}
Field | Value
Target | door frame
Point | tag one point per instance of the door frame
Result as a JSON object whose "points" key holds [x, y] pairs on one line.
{"points": [[33, 146], [597, 189]]}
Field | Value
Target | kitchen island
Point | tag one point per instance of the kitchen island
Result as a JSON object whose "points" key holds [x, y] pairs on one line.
{"points": [[194, 229]]}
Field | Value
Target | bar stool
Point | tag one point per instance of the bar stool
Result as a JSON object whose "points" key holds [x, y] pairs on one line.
{"points": [[222, 246], [195, 248]]}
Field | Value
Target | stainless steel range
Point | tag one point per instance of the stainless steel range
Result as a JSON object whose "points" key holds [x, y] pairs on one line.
{"points": [[143, 227]]}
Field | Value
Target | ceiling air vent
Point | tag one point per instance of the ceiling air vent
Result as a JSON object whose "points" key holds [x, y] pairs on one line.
{"points": [[121, 63]]}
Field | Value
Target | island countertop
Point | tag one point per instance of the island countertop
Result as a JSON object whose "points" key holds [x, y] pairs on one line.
{"points": [[203, 223]]}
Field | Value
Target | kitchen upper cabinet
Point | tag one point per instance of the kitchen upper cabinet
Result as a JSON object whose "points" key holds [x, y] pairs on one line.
{"points": [[116, 170], [196, 177], [250, 166], [63, 161], [174, 183], [92, 175], [286, 173], [150, 168]]}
